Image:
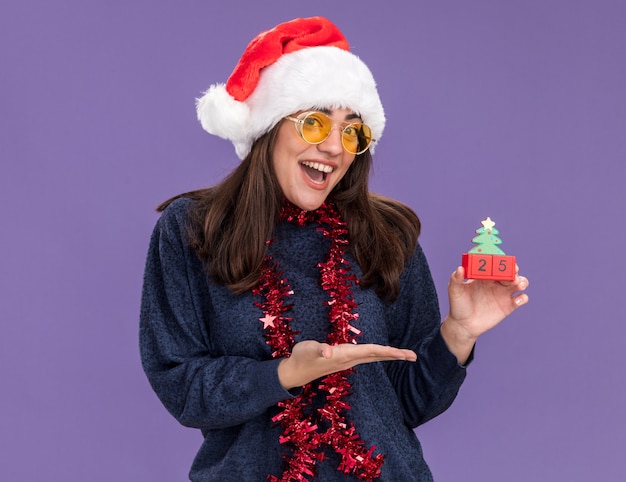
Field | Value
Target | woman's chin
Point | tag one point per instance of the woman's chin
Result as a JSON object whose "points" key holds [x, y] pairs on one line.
{"points": [[309, 204]]}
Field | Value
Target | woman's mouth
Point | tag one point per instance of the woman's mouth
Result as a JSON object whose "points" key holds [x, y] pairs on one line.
{"points": [[315, 171]]}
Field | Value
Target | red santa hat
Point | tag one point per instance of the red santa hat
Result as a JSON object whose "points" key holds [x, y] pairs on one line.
{"points": [[299, 65]]}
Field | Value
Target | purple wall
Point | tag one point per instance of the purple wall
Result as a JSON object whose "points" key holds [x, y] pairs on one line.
{"points": [[514, 110]]}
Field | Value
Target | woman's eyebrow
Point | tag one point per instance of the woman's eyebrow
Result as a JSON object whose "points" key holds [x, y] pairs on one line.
{"points": [[348, 117]]}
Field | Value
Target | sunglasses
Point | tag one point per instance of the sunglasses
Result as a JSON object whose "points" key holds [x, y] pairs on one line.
{"points": [[315, 127]]}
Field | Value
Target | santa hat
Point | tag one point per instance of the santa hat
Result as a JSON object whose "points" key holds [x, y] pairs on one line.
{"points": [[299, 65]]}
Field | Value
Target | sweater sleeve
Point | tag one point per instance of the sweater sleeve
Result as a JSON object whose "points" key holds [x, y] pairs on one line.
{"points": [[427, 387], [199, 390]]}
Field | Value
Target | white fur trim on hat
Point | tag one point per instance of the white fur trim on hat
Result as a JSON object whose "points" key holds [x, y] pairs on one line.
{"points": [[310, 78]]}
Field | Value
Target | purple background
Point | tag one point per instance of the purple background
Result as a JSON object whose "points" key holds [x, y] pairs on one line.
{"points": [[509, 109]]}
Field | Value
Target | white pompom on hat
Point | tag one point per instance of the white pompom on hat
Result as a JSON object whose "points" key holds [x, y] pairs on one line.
{"points": [[299, 65]]}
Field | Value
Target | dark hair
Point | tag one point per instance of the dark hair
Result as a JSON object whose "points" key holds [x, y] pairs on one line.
{"points": [[231, 222]]}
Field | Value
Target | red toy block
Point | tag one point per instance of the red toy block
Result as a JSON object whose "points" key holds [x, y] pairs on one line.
{"points": [[489, 267], [477, 266], [503, 268]]}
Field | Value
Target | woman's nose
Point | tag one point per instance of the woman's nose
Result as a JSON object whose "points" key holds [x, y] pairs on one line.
{"points": [[333, 144]]}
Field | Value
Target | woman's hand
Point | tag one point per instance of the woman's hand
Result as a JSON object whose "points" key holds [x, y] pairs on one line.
{"points": [[476, 306], [311, 360]]}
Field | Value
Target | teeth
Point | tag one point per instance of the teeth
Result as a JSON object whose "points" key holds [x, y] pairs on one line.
{"points": [[319, 167]]}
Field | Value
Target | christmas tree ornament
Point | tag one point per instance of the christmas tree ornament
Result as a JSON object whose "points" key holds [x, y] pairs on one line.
{"points": [[486, 261]]}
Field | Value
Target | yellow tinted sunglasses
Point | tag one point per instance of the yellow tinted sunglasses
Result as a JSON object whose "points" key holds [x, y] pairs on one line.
{"points": [[314, 127]]}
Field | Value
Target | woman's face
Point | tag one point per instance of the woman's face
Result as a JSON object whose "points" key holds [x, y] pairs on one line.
{"points": [[307, 173]]}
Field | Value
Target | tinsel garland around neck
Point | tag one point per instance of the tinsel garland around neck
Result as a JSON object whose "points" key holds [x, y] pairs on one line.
{"points": [[308, 432]]}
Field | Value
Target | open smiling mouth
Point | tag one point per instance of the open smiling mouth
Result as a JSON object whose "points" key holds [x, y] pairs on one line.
{"points": [[315, 171]]}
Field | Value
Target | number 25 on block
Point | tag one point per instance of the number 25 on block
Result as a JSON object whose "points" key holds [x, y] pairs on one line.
{"points": [[488, 266]]}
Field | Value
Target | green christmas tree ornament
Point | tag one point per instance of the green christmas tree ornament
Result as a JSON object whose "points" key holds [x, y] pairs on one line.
{"points": [[487, 239], [486, 260]]}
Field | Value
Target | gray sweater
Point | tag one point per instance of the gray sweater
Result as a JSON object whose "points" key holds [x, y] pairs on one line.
{"points": [[205, 355]]}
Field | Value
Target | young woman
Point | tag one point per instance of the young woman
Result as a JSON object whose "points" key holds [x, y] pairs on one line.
{"points": [[288, 313]]}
